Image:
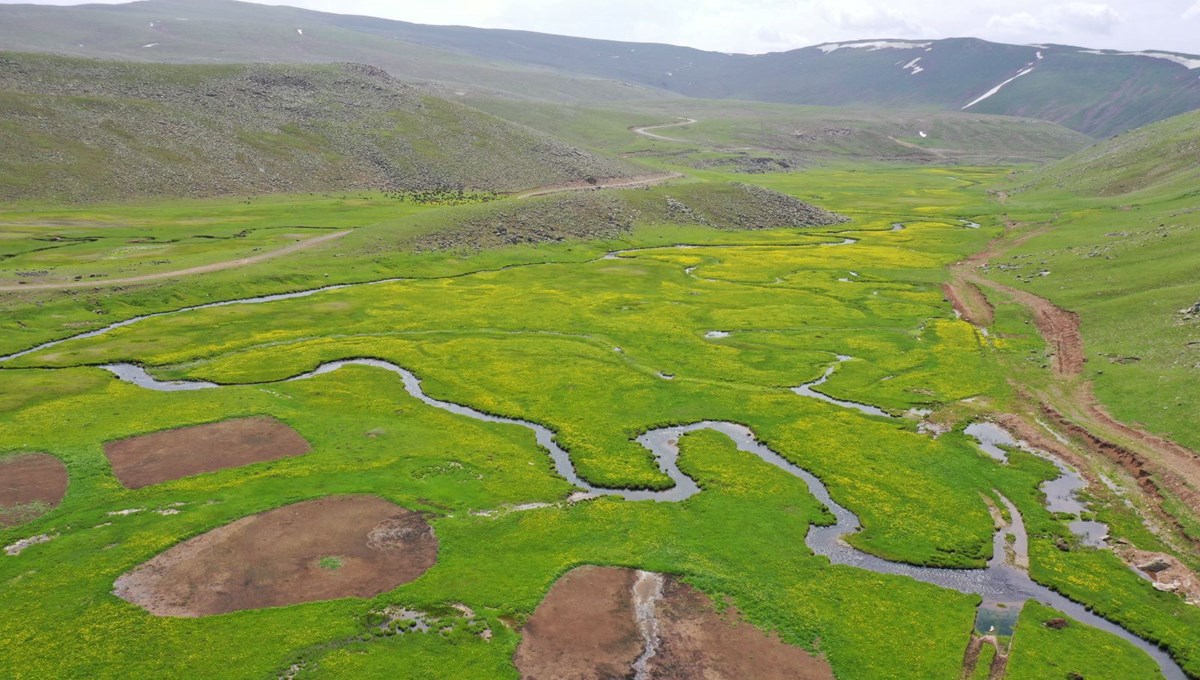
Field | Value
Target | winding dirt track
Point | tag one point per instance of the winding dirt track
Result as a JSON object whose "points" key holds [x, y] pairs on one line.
{"points": [[1157, 464], [645, 130], [203, 269], [613, 183]]}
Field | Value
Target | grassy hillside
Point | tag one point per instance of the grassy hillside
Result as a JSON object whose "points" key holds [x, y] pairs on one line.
{"points": [[1098, 93], [87, 130], [220, 31], [743, 136], [1116, 233], [1156, 158]]}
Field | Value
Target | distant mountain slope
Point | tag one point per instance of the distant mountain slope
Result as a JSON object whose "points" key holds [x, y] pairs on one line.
{"points": [[1163, 157], [1096, 92], [76, 129], [223, 31], [755, 136]]}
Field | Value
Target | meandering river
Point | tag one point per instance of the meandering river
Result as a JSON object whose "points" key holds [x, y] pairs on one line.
{"points": [[1002, 582]]}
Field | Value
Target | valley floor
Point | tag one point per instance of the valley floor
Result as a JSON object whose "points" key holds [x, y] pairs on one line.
{"points": [[597, 342]]}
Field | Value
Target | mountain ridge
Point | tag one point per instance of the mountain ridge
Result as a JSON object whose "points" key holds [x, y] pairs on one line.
{"points": [[1098, 92]]}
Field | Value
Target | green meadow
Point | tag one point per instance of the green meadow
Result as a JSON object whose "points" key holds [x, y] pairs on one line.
{"points": [[597, 348]]}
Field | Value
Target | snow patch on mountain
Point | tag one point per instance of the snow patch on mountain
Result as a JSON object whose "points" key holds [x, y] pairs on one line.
{"points": [[999, 87], [1186, 62], [913, 66], [872, 45]]}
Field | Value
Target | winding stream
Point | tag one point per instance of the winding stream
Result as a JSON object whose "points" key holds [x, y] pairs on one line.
{"points": [[806, 390], [1002, 585], [1061, 492]]}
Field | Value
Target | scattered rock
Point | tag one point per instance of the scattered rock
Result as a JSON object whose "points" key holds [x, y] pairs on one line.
{"points": [[16, 548]]}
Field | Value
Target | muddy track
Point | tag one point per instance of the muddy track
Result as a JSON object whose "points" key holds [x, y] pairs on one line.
{"points": [[1155, 463], [202, 269], [970, 303]]}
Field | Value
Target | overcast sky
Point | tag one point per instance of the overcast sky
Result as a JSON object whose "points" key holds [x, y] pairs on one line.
{"points": [[773, 25]]}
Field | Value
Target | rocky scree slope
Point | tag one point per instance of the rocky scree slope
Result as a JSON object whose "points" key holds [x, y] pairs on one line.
{"points": [[84, 130]]}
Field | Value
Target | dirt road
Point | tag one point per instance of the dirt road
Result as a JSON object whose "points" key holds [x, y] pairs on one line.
{"points": [[614, 183], [1157, 464], [202, 269], [645, 130]]}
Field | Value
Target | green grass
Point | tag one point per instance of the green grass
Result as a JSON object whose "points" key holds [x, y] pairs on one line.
{"points": [[1040, 651], [330, 562], [530, 332]]}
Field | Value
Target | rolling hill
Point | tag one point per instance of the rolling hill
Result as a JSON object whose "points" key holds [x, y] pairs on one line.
{"points": [[1097, 92], [1161, 158], [81, 130]]}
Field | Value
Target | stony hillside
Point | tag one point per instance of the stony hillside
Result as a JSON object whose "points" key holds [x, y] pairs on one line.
{"points": [[1164, 157], [1093, 91], [592, 215], [84, 130]]}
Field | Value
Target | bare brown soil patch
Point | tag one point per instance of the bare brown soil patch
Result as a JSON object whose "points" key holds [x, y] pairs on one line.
{"points": [[30, 485], [587, 629], [173, 454], [584, 629], [697, 642], [340, 546]]}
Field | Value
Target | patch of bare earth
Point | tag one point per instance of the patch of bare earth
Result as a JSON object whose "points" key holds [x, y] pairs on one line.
{"points": [[174, 454], [971, 658], [340, 546], [697, 642], [585, 628], [588, 627], [30, 485]]}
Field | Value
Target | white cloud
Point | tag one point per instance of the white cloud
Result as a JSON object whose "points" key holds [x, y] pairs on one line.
{"points": [[1021, 23], [1192, 12], [871, 19], [1056, 22], [1089, 16]]}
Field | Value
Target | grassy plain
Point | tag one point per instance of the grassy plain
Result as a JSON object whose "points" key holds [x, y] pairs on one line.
{"points": [[557, 334]]}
